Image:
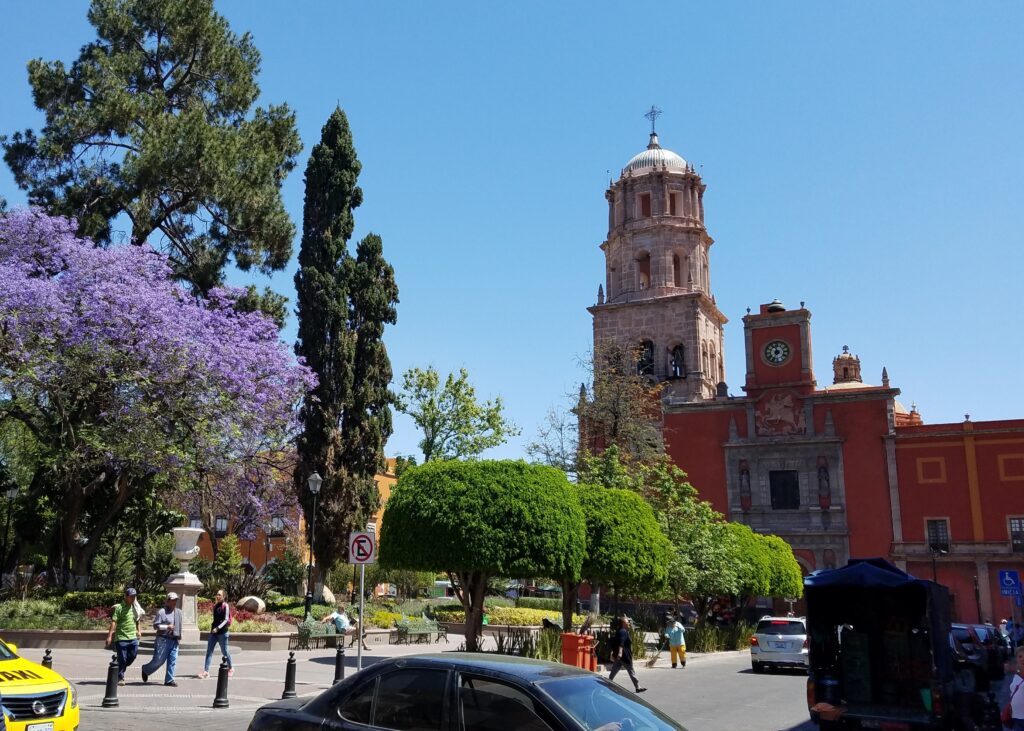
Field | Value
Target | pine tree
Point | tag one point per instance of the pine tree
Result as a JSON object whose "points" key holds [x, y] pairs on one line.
{"points": [[228, 563], [343, 305], [154, 123]]}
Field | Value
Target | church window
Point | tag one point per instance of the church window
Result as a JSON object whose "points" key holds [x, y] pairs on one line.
{"points": [[704, 359], [1017, 535], [677, 271], [644, 200], [706, 281], [645, 358], [643, 271], [677, 366], [675, 201], [712, 364], [785, 489], [938, 535]]}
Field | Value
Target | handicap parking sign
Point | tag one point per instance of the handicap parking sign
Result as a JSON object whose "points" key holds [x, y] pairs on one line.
{"points": [[1009, 583]]}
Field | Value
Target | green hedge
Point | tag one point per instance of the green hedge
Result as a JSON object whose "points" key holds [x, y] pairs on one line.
{"points": [[319, 611], [79, 601], [536, 602]]}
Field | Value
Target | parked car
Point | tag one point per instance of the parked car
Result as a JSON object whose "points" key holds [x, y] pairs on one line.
{"points": [[34, 697], [470, 691], [779, 642], [991, 643]]}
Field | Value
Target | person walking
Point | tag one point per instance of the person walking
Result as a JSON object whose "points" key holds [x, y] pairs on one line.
{"points": [[1016, 702], [676, 640], [622, 653], [219, 634], [168, 634], [123, 635]]}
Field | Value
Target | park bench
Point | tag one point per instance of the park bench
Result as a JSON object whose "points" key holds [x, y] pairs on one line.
{"points": [[419, 630], [313, 636]]}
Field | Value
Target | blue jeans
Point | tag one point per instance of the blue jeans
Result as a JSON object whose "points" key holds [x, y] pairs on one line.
{"points": [[127, 651], [166, 651], [221, 638]]}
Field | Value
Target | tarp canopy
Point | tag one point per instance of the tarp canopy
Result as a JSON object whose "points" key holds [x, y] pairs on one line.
{"points": [[872, 595], [864, 573]]}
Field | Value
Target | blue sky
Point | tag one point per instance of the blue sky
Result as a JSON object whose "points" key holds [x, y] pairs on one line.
{"points": [[862, 157]]}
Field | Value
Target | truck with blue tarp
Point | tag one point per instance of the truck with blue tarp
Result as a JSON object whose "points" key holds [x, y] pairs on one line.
{"points": [[881, 657]]}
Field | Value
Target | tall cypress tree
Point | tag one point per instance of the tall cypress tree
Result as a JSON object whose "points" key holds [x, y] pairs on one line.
{"points": [[343, 305]]}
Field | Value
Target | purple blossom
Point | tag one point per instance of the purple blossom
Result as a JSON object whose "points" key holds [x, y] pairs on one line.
{"points": [[167, 382]]}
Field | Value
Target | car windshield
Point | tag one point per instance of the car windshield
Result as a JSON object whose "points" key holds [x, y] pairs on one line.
{"points": [[962, 634], [780, 627], [5, 652], [595, 703]]}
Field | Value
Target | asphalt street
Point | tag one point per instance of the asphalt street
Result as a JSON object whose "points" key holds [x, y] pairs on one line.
{"points": [[713, 693]]}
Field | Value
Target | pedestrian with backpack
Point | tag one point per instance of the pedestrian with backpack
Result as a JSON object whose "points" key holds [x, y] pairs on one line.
{"points": [[219, 633]]}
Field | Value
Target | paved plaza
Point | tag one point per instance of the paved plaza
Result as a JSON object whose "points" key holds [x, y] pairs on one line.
{"points": [[714, 692]]}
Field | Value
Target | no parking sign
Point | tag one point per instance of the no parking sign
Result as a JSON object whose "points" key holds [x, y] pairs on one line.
{"points": [[362, 548]]}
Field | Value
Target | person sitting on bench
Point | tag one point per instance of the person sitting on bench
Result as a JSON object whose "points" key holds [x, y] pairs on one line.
{"points": [[344, 626]]}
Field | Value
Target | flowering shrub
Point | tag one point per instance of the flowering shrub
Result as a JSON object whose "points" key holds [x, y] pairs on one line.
{"points": [[512, 616], [99, 613]]}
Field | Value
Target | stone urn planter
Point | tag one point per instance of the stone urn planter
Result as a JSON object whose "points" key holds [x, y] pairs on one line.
{"points": [[186, 584], [186, 545]]}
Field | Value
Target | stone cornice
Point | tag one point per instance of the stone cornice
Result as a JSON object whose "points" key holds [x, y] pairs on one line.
{"points": [[703, 301]]}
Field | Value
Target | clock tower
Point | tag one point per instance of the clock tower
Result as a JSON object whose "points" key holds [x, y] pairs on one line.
{"points": [[656, 296]]}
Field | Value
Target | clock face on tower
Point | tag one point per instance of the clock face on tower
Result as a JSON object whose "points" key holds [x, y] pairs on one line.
{"points": [[776, 352]]}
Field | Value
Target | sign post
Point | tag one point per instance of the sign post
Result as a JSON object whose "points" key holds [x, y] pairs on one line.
{"points": [[362, 549]]}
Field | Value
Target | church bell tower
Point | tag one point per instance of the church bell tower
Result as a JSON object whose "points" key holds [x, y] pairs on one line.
{"points": [[656, 296]]}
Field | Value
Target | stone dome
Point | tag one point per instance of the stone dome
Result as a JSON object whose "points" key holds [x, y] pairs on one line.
{"points": [[654, 158]]}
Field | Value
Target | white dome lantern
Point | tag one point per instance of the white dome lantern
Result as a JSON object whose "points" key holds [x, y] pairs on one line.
{"points": [[653, 159]]}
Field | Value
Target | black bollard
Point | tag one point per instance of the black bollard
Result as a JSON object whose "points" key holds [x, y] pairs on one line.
{"points": [[48, 660], [289, 678], [110, 699], [221, 699], [339, 664]]}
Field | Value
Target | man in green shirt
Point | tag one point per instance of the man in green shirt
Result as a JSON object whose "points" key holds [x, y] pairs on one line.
{"points": [[124, 633]]}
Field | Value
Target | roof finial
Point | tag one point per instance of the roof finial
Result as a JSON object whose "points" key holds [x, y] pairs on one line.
{"points": [[652, 114]]}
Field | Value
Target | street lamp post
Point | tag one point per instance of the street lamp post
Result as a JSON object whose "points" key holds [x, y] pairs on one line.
{"points": [[11, 493], [314, 483], [935, 551], [977, 598]]}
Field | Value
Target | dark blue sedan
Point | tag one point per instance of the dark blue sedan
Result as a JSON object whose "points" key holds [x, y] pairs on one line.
{"points": [[467, 692]]}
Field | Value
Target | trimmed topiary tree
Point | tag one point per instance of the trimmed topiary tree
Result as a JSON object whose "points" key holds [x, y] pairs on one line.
{"points": [[625, 545], [480, 519]]}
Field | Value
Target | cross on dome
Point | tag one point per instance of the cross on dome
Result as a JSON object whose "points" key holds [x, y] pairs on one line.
{"points": [[652, 114]]}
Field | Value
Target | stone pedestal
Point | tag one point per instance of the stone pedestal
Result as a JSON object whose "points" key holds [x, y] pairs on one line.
{"points": [[186, 585]]}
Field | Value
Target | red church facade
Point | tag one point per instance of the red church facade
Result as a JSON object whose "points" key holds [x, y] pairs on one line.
{"points": [[844, 471], [840, 470]]}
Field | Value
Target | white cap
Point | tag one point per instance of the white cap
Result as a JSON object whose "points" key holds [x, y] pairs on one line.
{"points": [[172, 595]]}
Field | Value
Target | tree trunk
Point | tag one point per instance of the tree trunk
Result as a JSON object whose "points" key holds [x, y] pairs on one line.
{"points": [[570, 590], [595, 599], [470, 588]]}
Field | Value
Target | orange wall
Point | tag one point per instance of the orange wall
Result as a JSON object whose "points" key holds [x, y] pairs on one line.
{"points": [[861, 425], [694, 442], [942, 465]]}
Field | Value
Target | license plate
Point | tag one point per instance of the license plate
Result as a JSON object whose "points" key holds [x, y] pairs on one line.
{"points": [[780, 645], [48, 726]]}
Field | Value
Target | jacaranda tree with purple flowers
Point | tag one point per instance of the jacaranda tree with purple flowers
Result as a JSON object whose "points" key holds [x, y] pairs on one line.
{"points": [[128, 383]]}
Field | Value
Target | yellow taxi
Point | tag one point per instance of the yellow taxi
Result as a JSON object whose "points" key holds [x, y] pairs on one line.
{"points": [[34, 698]]}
